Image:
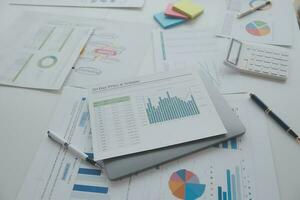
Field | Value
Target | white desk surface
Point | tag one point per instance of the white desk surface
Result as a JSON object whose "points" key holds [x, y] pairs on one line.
{"points": [[24, 113]]}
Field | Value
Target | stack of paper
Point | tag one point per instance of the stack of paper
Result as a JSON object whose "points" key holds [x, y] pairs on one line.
{"points": [[236, 164], [82, 3], [151, 112], [116, 114], [42, 55]]}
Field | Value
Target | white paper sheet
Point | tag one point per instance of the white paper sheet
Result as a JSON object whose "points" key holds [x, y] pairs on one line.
{"points": [[82, 3], [56, 173], [271, 25], [41, 54], [151, 112], [115, 51], [242, 167], [175, 49]]}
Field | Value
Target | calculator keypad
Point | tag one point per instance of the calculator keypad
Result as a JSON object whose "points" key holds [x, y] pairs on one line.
{"points": [[263, 61]]}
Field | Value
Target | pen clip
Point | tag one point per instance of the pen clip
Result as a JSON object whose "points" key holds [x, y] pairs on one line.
{"points": [[298, 140]]}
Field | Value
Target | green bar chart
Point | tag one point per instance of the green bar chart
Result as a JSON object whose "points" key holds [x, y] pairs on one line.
{"points": [[170, 108]]}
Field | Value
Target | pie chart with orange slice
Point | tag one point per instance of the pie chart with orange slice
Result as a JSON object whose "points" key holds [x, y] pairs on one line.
{"points": [[258, 28], [185, 185]]}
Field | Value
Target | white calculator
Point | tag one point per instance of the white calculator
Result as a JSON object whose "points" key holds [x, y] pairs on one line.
{"points": [[263, 60]]}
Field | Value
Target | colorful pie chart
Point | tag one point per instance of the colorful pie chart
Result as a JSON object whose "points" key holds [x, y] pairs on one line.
{"points": [[258, 28], [185, 185]]}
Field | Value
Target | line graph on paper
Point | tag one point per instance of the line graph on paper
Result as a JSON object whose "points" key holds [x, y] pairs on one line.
{"points": [[110, 54]]}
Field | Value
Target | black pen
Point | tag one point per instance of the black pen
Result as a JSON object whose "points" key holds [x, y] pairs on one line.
{"points": [[269, 112]]}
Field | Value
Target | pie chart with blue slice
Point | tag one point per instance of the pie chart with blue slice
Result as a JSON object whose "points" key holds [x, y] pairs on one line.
{"points": [[185, 185]]}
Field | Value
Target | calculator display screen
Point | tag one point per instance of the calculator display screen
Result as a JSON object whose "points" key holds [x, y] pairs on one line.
{"points": [[234, 52]]}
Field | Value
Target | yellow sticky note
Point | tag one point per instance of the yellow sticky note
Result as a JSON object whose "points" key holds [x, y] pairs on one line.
{"points": [[188, 8]]}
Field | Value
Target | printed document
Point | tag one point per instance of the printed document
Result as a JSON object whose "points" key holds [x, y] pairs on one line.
{"points": [[270, 25], [199, 48], [151, 112], [241, 168], [174, 48], [82, 3], [56, 173], [111, 53], [40, 55]]}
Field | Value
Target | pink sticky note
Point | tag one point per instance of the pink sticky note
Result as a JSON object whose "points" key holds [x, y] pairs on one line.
{"points": [[172, 13]]}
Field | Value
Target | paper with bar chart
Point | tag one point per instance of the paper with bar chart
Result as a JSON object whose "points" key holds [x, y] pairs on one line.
{"points": [[56, 173], [240, 169], [270, 25], [177, 48], [40, 55], [151, 112], [82, 3], [110, 54], [199, 48]]}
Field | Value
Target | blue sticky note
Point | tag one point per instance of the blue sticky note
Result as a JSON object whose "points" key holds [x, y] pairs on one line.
{"points": [[167, 22]]}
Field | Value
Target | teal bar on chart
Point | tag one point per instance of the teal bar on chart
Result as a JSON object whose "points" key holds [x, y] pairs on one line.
{"points": [[233, 143], [228, 184], [230, 144], [194, 104], [89, 171], [233, 187], [224, 196], [238, 183], [219, 193], [170, 108], [225, 145]]}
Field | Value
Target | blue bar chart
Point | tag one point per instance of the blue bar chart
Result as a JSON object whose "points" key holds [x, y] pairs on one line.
{"points": [[229, 144], [233, 190], [170, 108], [88, 188], [89, 183], [88, 171]]}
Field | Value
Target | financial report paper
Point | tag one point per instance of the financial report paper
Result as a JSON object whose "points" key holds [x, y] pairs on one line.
{"points": [[56, 173], [111, 53], [271, 25], [82, 3], [242, 168], [175, 48], [199, 48], [40, 55], [151, 112]]}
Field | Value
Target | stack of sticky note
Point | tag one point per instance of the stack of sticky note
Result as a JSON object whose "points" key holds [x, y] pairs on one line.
{"points": [[178, 13]]}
